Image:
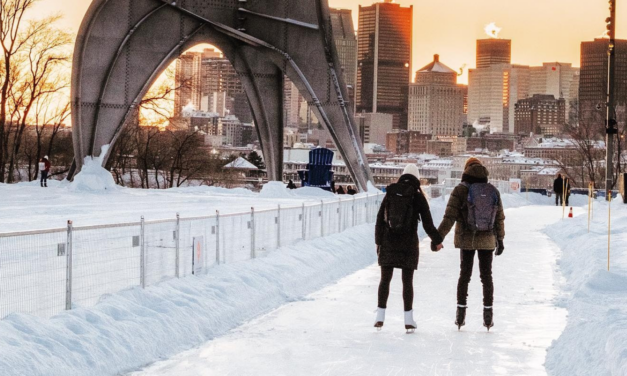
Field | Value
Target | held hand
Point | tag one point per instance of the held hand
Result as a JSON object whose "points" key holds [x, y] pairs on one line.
{"points": [[500, 248], [436, 248], [440, 247]]}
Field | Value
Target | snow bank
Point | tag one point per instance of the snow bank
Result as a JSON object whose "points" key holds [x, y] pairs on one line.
{"points": [[137, 327], [275, 189], [595, 339], [93, 176]]}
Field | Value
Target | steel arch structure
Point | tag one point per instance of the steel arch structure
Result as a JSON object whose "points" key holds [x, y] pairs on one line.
{"points": [[124, 45]]}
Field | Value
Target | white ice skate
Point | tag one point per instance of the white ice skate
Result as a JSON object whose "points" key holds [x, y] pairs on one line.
{"points": [[410, 324], [378, 322]]}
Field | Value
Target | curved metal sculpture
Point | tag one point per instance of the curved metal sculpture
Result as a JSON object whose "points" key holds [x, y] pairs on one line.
{"points": [[124, 45]]}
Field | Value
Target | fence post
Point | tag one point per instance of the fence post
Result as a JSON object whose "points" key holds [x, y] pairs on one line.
{"points": [[278, 228], [321, 218], [68, 271], [367, 207], [303, 224], [177, 244], [353, 211], [339, 215], [142, 245], [252, 233], [218, 237]]}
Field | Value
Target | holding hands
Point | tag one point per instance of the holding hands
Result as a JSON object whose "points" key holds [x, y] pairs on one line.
{"points": [[436, 248]]}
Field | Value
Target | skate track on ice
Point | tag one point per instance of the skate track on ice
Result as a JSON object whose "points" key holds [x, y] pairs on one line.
{"points": [[331, 332]]}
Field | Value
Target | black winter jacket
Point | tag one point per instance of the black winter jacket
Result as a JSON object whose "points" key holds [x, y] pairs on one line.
{"points": [[402, 251]]}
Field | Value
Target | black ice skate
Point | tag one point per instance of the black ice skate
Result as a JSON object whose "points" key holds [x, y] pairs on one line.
{"points": [[460, 317], [488, 321]]}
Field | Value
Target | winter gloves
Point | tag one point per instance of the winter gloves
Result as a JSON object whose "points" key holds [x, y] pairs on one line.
{"points": [[500, 248]]}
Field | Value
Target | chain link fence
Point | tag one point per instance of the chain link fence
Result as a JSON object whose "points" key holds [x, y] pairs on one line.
{"points": [[43, 273]]}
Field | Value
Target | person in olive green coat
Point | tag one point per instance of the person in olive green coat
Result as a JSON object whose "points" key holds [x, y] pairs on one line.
{"points": [[469, 242]]}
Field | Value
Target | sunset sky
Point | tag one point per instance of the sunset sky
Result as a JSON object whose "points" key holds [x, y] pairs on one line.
{"points": [[541, 30]]}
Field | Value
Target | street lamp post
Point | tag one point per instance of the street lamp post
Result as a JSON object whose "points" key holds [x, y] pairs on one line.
{"points": [[611, 124]]}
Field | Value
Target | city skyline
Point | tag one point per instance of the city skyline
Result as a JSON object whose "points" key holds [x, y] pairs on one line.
{"points": [[540, 32]]}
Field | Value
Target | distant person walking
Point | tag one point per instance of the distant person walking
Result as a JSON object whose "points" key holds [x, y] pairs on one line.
{"points": [[44, 170], [561, 187], [396, 236], [351, 191], [341, 191], [291, 185], [476, 210]]}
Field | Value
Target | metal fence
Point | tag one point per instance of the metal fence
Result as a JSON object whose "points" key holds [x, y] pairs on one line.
{"points": [[45, 272]]}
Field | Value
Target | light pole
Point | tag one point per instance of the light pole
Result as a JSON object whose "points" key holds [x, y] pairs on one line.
{"points": [[611, 125]]}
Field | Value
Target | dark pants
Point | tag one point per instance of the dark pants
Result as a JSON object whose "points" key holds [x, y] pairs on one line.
{"points": [[44, 178], [408, 287], [485, 267], [559, 199]]}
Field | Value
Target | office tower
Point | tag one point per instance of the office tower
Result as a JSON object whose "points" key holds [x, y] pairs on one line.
{"points": [[346, 43], [493, 51], [188, 82], [593, 82], [556, 79], [540, 114], [291, 104], [373, 128], [219, 76], [384, 60], [436, 101]]}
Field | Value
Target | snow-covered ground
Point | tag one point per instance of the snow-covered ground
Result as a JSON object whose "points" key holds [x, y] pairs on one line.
{"points": [[284, 314]]}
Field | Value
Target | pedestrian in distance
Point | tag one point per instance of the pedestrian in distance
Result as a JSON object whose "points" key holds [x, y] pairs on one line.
{"points": [[396, 236], [351, 191], [476, 210], [291, 185], [44, 170], [341, 191], [558, 189]]}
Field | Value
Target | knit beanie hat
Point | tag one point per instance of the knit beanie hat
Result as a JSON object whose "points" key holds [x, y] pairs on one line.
{"points": [[472, 161], [412, 169]]}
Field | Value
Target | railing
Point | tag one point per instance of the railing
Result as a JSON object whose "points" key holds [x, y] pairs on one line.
{"points": [[439, 190], [45, 272]]}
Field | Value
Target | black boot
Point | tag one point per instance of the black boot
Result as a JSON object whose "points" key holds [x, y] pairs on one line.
{"points": [[488, 321], [460, 317]]}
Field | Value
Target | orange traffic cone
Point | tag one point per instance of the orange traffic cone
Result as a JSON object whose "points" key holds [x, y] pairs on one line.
{"points": [[570, 214]]}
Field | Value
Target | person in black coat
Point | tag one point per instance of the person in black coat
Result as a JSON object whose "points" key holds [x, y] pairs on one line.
{"points": [[401, 251], [558, 189]]}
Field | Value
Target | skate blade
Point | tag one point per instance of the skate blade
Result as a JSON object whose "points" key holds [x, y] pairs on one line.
{"points": [[378, 326], [410, 329]]}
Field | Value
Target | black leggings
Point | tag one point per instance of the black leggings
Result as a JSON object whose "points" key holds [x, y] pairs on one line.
{"points": [[387, 273]]}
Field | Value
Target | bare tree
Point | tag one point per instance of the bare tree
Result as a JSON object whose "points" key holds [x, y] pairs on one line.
{"points": [[12, 41]]}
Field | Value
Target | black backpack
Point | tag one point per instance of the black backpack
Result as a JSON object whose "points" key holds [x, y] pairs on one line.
{"points": [[399, 208]]}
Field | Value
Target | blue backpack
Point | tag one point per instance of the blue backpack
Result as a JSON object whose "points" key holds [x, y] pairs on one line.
{"points": [[483, 204]]}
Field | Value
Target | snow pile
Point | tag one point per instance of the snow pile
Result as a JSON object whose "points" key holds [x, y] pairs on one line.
{"points": [[275, 189], [137, 327], [93, 176], [595, 339]]}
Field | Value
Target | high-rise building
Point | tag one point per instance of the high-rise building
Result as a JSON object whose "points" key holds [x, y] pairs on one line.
{"points": [[593, 82], [219, 76], [540, 114], [345, 43], [493, 51], [556, 79], [436, 101], [384, 59], [373, 128], [291, 104], [492, 93], [188, 82]]}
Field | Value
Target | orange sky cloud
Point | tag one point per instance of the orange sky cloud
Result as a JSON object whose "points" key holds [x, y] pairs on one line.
{"points": [[541, 30]]}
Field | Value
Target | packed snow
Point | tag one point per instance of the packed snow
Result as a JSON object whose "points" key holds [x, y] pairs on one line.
{"points": [[308, 308]]}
